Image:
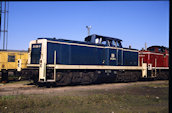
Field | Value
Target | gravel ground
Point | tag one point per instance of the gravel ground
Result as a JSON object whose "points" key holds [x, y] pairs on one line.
{"points": [[25, 87]]}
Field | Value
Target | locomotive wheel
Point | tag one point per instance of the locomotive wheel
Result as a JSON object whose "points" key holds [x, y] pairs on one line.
{"points": [[93, 77], [163, 75], [88, 78], [63, 78], [77, 77], [135, 76], [4, 76], [128, 76]]}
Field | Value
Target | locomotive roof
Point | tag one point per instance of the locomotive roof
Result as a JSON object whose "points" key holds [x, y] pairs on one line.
{"points": [[158, 47], [59, 39], [104, 37]]}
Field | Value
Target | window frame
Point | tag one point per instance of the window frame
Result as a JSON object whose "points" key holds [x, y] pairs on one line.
{"points": [[10, 59]]}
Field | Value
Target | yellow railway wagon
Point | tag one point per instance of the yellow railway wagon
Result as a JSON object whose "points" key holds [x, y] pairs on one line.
{"points": [[12, 61]]}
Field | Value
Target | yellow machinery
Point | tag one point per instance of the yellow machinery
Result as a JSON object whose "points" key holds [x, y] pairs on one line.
{"points": [[12, 60]]}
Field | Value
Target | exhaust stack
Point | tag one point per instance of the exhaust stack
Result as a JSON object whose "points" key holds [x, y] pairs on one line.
{"points": [[145, 46]]}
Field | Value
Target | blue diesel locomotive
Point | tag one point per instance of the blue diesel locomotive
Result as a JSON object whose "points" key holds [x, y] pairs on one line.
{"points": [[97, 59]]}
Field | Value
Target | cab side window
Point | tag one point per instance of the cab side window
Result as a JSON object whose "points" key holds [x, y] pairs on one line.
{"points": [[152, 49], [109, 42], [97, 40], [113, 43], [118, 44], [11, 58], [161, 50], [104, 42]]}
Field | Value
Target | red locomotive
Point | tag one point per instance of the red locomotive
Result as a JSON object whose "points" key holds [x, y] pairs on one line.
{"points": [[157, 58]]}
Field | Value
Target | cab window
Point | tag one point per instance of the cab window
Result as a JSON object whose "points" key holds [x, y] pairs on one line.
{"points": [[11, 58], [161, 50], [151, 49], [98, 40], [118, 44], [113, 43], [104, 42], [109, 42]]}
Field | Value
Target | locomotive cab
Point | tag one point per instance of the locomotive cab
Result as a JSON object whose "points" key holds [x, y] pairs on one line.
{"points": [[103, 40], [158, 49]]}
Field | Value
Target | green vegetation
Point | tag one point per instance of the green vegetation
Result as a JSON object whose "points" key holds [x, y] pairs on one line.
{"points": [[150, 98]]}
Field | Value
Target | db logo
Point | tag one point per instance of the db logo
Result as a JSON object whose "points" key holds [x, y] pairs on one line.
{"points": [[112, 56]]}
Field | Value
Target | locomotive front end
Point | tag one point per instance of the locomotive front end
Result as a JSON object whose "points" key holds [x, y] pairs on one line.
{"points": [[37, 57]]}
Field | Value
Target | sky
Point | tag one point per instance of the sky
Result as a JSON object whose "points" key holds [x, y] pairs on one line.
{"points": [[134, 22]]}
